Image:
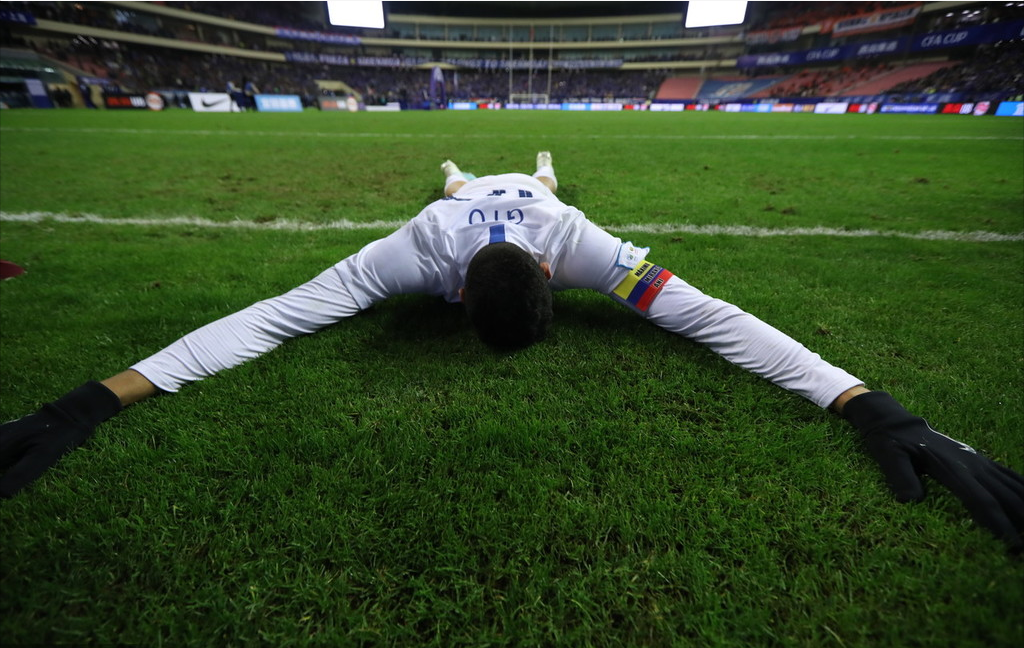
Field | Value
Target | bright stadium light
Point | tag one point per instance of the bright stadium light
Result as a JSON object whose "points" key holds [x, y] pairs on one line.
{"points": [[711, 13], [356, 13]]}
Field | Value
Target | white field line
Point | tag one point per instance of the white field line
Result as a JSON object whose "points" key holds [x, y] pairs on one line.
{"points": [[462, 136], [646, 228], [203, 223]]}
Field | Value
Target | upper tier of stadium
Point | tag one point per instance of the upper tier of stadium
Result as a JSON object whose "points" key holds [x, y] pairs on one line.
{"points": [[561, 51]]}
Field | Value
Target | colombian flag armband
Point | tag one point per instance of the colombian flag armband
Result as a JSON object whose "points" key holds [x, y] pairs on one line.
{"points": [[643, 283]]}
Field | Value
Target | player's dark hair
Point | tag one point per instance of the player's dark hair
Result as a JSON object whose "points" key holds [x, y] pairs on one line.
{"points": [[507, 297]]}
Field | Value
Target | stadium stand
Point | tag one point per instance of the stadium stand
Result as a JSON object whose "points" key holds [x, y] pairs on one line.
{"points": [[991, 70], [288, 48], [804, 14], [884, 82], [679, 88], [833, 82]]}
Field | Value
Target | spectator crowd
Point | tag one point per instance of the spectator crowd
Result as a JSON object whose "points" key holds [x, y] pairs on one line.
{"points": [[997, 68], [136, 67]]}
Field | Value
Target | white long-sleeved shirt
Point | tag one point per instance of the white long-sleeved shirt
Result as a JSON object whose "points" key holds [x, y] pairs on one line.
{"points": [[430, 254]]}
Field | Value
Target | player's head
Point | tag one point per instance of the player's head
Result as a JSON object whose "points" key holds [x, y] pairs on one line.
{"points": [[507, 296]]}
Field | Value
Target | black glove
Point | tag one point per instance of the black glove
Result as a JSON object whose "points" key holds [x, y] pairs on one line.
{"points": [[905, 446], [33, 443]]}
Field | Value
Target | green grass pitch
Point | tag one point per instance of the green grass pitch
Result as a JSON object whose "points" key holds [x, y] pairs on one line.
{"points": [[390, 482]]}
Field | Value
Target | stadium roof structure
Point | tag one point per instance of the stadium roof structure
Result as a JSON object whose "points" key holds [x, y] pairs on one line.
{"points": [[558, 10], [534, 9]]}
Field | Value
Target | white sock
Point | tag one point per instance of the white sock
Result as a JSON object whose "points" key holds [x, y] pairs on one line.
{"points": [[547, 172], [455, 177]]}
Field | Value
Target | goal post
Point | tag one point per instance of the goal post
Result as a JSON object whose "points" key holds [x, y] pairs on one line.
{"points": [[529, 98]]}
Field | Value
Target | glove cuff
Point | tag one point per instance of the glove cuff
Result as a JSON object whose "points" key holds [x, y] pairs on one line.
{"points": [[89, 404], [872, 410]]}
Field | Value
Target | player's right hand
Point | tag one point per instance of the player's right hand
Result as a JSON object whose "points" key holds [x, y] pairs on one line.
{"points": [[32, 444]]}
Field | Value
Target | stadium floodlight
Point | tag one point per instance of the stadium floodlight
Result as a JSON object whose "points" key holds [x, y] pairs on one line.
{"points": [[711, 13], [356, 13]]}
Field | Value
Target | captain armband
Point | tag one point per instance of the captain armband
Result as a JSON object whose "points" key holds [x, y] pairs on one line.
{"points": [[642, 285]]}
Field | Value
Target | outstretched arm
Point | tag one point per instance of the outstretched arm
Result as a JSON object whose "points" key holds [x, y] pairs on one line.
{"points": [[32, 444], [904, 446], [599, 261]]}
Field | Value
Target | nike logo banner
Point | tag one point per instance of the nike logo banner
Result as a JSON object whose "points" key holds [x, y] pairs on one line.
{"points": [[212, 102]]}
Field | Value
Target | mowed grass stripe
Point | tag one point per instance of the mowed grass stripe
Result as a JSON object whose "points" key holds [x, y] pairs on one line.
{"points": [[486, 136], [472, 135]]}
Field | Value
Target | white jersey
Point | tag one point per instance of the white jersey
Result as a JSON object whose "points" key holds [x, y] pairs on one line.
{"points": [[430, 254]]}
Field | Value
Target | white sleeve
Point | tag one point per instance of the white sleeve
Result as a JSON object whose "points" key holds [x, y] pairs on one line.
{"points": [[250, 332], [727, 330], [385, 267], [746, 341]]}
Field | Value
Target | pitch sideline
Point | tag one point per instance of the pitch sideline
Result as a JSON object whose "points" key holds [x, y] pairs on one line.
{"points": [[645, 228]]}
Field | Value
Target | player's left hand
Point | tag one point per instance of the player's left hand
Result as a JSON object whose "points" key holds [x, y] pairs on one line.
{"points": [[905, 447]]}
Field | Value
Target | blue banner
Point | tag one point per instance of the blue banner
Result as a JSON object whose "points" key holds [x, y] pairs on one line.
{"points": [[1010, 109], [917, 109], [878, 48], [36, 89], [771, 60], [968, 36], [438, 94], [415, 61], [20, 17], [826, 54], [278, 103], [316, 36]]}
